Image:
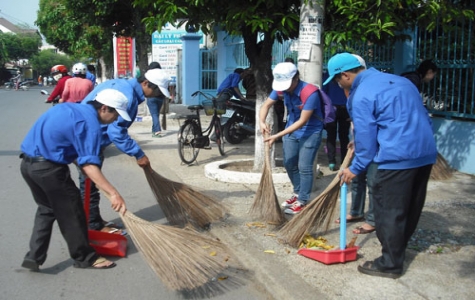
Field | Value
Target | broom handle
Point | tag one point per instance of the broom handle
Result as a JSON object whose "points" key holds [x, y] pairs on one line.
{"points": [[87, 197], [343, 191]]}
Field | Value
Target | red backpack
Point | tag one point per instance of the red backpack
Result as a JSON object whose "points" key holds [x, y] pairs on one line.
{"points": [[328, 109]]}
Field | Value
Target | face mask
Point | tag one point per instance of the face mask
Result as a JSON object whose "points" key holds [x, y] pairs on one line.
{"points": [[57, 77]]}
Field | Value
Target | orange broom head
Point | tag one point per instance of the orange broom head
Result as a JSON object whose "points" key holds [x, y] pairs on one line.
{"points": [[441, 170], [318, 213], [183, 205], [266, 204], [182, 258]]}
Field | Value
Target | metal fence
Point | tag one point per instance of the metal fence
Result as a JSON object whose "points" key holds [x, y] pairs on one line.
{"points": [[451, 94]]}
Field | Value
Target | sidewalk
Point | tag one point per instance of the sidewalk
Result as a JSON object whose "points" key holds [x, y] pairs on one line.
{"points": [[440, 259]]}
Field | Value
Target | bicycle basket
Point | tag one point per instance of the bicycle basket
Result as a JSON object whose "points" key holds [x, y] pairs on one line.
{"points": [[208, 107], [220, 107]]}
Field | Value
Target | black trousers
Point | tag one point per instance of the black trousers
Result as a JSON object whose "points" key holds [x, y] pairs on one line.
{"points": [[342, 127], [399, 197], [58, 199]]}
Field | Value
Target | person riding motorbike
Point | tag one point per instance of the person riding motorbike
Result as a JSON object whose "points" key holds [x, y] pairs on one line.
{"points": [[16, 80], [78, 87], [60, 74]]}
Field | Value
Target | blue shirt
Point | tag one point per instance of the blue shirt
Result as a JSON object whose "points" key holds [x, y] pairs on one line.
{"points": [[336, 93], [230, 82], [391, 126], [117, 132], [313, 103], [91, 77], [65, 133]]}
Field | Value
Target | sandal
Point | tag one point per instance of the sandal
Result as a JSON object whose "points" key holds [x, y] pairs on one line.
{"points": [[157, 135], [101, 263], [362, 230], [351, 219], [112, 224], [113, 230]]}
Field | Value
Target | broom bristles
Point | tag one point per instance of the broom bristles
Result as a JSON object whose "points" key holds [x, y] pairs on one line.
{"points": [[183, 205], [441, 170], [183, 259], [318, 213], [266, 204]]}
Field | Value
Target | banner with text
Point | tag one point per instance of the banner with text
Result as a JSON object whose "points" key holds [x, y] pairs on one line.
{"points": [[124, 57]]}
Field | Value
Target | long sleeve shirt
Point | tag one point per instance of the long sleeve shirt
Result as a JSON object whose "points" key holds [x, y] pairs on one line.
{"points": [[76, 89]]}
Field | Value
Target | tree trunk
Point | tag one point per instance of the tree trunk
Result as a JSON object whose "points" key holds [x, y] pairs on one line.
{"points": [[310, 61]]}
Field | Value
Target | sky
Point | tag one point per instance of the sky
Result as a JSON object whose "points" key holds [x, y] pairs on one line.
{"points": [[18, 13]]}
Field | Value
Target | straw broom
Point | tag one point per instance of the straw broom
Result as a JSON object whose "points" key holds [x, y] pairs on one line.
{"points": [[164, 112], [183, 205], [441, 170], [183, 259], [318, 213], [266, 204]]}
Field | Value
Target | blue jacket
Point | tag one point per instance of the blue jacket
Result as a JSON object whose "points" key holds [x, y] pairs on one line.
{"points": [[116, 132], [230, 82], [65, 133], [292, 101], [391, 125]]}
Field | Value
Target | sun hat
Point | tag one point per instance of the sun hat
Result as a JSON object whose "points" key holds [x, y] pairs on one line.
{"points": [[283, 74], [341, 62], [114, 99], [160, 78]]}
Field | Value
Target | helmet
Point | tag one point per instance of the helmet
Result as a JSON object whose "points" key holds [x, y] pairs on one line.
{"points": [[79, 68], [59, 69]]}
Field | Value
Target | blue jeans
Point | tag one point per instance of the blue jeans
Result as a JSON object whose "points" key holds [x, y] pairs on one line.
{"points": [[154, 105], [299, 155], [358, 194]]}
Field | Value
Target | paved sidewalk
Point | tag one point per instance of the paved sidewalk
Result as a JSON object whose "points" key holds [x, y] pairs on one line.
{"points": [[440, 263]]}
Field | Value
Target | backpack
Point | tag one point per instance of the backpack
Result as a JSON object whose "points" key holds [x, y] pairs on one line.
{"points": [[328, 109]]}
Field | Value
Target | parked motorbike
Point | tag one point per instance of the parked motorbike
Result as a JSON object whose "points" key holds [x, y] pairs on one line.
{"points": [[239, 122]]}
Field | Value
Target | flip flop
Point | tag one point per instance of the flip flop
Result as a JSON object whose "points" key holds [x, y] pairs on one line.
{"points": [[362, 230], [112, 224], [352, 220], [113, 230], [98, 261]]}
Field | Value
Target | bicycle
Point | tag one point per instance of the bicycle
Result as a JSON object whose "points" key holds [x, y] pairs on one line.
{"points": [[191, 137]]}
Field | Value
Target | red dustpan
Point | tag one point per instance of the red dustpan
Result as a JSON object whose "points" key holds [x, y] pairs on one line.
{"points": [[104, 243], [341, 255]]}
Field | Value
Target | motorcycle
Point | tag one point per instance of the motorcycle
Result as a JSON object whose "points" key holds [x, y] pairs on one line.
{"points": [[24, 85], [239, 122], [54, 102]]}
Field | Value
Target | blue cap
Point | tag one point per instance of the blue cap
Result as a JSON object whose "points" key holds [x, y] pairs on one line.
{"points": [[340, 63]]}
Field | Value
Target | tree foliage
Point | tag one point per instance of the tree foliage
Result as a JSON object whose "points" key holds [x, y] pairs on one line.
{"points": [[45, 59], [86, 27], [14, 47]]}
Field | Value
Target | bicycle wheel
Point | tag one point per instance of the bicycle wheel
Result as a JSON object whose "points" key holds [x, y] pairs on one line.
{"points": [[219, 135], [186, 146]]}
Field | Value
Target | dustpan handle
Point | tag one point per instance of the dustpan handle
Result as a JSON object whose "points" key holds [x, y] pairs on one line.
{"points": [[87, 197], [343, 191]]}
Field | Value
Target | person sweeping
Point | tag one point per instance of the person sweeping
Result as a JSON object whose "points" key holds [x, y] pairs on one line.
{"points": [[392, 129], [302, 134], [65, 134]]}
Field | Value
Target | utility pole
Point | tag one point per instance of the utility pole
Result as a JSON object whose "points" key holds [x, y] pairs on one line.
{"points": [[310, 59]]}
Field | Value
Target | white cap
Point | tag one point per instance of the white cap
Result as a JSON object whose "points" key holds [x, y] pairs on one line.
{"points": [[283, 74], [160, 78], [360, 59], [115, 99]]}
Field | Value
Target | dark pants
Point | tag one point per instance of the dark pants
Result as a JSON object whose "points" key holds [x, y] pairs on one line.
{"points": [[95, 220], [58, 199], [399, 197], [358, 194], [342, 126]]}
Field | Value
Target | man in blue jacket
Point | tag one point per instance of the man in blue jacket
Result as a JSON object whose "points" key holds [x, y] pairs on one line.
{"points": [[154, 83], [65, 134], [393, 130]]}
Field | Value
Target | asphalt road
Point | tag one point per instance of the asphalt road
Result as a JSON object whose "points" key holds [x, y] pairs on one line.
{"points": [[131, 279]]}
